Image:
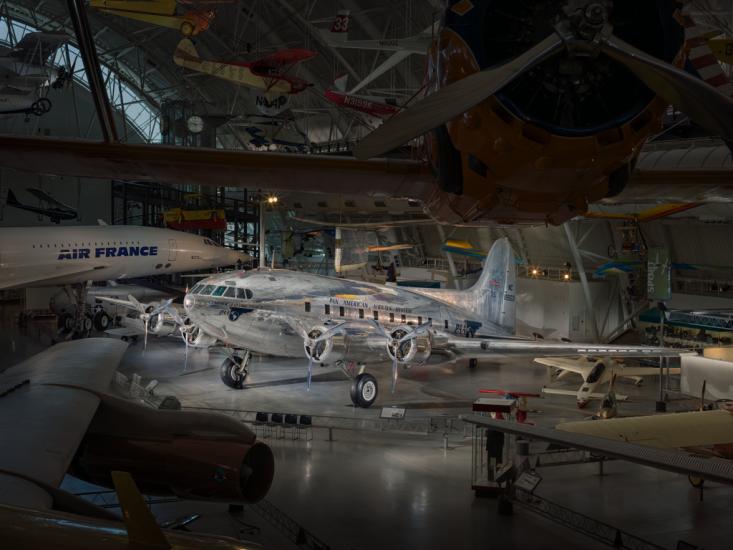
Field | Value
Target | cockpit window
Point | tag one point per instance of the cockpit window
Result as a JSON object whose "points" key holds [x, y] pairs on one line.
{"points": [[595, 373], [230, 292], [248, 293], [209, 242], [208, 289], [196, 288], [219, 291]]}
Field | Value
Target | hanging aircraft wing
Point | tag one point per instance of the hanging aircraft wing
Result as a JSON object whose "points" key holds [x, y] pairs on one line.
{"points": [[200, 166], [46, 275], [673, 461], [36, 48], [45, 410], [669, 431]]}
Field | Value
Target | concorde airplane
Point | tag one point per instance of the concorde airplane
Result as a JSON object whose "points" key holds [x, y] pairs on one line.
{"points": [[355, 325], [534, 111], [73, 255]]}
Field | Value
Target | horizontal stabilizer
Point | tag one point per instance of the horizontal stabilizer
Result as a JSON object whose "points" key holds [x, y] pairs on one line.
{"points": [[571, 393]]}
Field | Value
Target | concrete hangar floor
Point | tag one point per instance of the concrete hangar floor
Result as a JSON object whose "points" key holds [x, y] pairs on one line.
{"points": [[368, 488]]}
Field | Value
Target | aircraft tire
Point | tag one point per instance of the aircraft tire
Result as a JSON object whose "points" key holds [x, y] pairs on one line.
{"points": [[102, 321], [472, 363], [364, 390], [66, 322], [696, 482], [230, 375]]}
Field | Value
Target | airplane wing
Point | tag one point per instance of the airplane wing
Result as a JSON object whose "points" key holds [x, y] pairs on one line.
{"points": [[200, 166], [366, 225], [578, 366], [673, 461], [10, 280], [55, 395], [476, 347], [667, 431], [42, 195], [36, 48]]}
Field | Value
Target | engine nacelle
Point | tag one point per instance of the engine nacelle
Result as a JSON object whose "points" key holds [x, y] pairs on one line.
{"points": [[349, 344], [198, 338], [413, 351], [188, 454], [162, 325]]}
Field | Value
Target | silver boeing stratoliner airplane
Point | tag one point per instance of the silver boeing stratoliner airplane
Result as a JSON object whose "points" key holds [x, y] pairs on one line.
{"points": [[355, 325]]}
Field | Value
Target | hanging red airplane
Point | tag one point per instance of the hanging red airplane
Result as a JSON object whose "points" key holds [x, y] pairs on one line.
{"points": [[269, 74], [534, 110], [378, 107]]}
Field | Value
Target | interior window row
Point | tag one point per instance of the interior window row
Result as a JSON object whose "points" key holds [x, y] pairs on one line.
{"points": [[222, 291], [375, 314], [69, 245]]}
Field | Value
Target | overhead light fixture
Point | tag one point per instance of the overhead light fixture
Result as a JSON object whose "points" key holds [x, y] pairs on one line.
{"points": [[272, 199], [535, 272], [566, 277]]}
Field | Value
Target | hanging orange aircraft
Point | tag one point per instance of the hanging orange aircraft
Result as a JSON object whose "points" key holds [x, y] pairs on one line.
{"points": [[534, 110], [269, 74], [163, 13]]}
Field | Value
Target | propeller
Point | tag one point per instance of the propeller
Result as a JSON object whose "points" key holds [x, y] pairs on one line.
{"points": [[451, 101], [395, 344], [702, 395], [703, 103], [312, 343]]}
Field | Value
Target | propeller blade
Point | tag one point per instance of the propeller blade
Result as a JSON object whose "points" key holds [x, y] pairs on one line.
{"points": [[162, 307], [330, 332], [380, 329], [145, 344], [451, 101], [137, 305], [702, 395], [700, 101], [394, 374], [310, 373]]}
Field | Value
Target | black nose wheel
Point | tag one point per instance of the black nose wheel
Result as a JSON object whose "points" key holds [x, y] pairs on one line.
{"points": [[364, 390], [233, 372]]}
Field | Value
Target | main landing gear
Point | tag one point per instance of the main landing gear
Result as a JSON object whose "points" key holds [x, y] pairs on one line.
{"points": [[77, 324], [364, 390], [233, 370]]}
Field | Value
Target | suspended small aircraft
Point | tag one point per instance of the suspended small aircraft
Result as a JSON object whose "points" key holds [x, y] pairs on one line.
{"points": [[269, 74], [374, 106], [533, 112], [54, 209], [26, 74], [596, 371], [354, 325], [163, 13]]}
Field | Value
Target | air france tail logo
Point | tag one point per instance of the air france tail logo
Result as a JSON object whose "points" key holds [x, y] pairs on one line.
{"points": [[106, 252]]}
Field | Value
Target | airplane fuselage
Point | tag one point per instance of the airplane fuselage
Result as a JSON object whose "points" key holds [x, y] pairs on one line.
{"points": [[257, 310], [43, 256]]}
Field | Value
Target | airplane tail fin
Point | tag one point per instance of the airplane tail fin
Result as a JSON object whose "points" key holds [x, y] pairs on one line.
{"points": [[340, 27], [493, 297], [340, 82], [12, 200]]}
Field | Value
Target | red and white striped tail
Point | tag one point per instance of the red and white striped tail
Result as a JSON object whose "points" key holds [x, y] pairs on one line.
{"points": [[700, 55]]}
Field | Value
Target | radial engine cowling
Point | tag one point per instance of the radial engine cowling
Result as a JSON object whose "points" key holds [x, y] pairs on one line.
{"points": [[162, 325], [188, 454], [357, 344], [409, 346]]}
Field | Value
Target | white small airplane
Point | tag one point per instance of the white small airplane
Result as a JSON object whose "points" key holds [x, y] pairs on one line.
{"points": [[596, 371], [402, 48], [26, 74], [74, 255], [354, 324]]}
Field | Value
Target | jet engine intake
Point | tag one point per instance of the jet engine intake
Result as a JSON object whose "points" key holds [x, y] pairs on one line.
{"points": [[188, 454]]}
